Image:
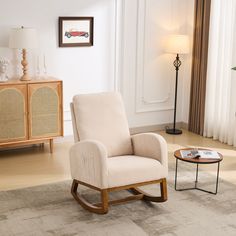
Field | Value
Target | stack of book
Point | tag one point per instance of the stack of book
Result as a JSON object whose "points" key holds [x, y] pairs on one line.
{"points": [[203, 154]]}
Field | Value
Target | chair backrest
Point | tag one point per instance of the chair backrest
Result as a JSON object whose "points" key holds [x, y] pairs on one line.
{"points": [[102, 117]]}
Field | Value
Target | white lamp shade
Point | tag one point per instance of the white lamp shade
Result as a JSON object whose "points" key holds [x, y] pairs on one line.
{"points": [[23, 38], [178, 44]]}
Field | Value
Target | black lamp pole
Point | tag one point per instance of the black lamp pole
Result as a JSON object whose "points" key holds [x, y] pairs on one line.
{"points": [[177, 64]]}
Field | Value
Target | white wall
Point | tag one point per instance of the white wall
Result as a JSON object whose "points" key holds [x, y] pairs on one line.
{"points": [[127, 54], [148, 74], [188, 12], [82, 69]]}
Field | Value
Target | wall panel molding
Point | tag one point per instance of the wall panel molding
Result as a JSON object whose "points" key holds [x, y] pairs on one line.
{"points": [[142, 103], [119, 44]]}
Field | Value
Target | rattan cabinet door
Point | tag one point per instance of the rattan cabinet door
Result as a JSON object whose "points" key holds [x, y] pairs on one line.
{"points": [[45, 110], [13, 113]]}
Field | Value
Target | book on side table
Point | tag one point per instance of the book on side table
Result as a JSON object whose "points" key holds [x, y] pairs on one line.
{"points": [[203, 154]]}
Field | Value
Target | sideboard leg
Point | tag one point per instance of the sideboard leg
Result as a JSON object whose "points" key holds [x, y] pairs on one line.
{"points": [[51, 145]]}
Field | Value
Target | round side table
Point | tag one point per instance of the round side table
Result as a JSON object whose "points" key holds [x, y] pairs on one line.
{"points": [[197, 161]]}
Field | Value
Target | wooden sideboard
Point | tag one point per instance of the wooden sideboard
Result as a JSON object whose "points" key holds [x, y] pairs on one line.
{"points": [[30, 112]]}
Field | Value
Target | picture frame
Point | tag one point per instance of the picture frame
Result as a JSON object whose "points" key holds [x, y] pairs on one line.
{"points": [[75, 31]]}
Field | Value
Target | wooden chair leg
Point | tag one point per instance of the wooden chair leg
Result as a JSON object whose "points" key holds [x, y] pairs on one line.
{"points": [[123, 200], [104, 197], [151, 198], [51, 145], [103, 209], [163, 186]]}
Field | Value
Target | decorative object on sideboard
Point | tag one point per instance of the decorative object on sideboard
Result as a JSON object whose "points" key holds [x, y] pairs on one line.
{"points": [[38, 68], [3, 69], [23, 38], [177, 44], [41, 66], [75, 31], [44, 65]]}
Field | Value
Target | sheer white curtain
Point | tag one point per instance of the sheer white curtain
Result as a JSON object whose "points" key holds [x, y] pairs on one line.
{"points": [[220, 107]]}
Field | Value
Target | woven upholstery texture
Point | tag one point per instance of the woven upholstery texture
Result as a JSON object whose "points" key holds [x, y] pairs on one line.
{"points": [[45, 110], [12, 109]]}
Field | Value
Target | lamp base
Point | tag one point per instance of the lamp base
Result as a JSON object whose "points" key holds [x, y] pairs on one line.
{"points": [[25, 78], [24, 63], [174, 131]]}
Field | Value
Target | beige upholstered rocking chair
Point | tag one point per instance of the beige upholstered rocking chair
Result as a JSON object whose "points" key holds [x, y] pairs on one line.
{"points": [[106, 158]]}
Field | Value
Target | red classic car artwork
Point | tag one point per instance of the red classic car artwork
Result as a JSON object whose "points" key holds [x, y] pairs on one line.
{"points": [[76, 33]]}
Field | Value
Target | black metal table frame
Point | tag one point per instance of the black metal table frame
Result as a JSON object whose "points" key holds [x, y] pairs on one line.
{"points": [[196, 179]]}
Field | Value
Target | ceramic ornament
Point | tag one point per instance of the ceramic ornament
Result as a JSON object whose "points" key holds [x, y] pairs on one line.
{"points": [[3, 69]]}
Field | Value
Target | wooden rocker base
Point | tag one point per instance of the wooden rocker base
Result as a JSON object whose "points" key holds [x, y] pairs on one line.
{"points": [[102, 208]]}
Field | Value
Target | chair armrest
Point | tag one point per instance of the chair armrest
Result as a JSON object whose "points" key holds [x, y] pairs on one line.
{"points": [[88, 163], [151, 145]]}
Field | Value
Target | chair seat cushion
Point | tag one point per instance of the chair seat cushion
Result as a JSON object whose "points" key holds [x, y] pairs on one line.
{"points": [[130, 169]]}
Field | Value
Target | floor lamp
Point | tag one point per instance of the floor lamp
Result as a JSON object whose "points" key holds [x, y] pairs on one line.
{"points": [[177, 44]]}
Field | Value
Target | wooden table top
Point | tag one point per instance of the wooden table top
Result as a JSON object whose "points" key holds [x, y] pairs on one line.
{"points": [[200, 160]]}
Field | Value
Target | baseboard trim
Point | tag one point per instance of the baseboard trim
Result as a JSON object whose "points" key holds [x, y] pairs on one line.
{"points": [[133, 130], [66, 138], [159, 127], [184, 125]]}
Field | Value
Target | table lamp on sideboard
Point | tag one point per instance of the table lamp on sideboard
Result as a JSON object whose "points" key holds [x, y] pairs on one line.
{"points": [[177, 44], [23, 38]]}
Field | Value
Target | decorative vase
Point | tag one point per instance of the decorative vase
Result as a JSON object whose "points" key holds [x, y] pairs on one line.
{"points": [[3, 69]]}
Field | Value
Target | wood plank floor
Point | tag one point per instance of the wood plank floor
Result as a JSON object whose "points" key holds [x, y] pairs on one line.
{"points": [[35, 165]]}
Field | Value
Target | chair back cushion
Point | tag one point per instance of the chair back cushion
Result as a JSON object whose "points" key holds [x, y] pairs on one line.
{"points": [[102, 117]]}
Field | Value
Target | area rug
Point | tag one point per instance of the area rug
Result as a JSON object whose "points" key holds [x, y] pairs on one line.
{"points": [[50, 210]]}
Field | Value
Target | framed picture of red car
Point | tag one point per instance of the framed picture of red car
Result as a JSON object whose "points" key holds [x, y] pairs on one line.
{"points": [[75, 31]]}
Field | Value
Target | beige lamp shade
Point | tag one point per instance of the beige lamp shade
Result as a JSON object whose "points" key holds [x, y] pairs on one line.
{"points": [[178, 44], [23, 38]]}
